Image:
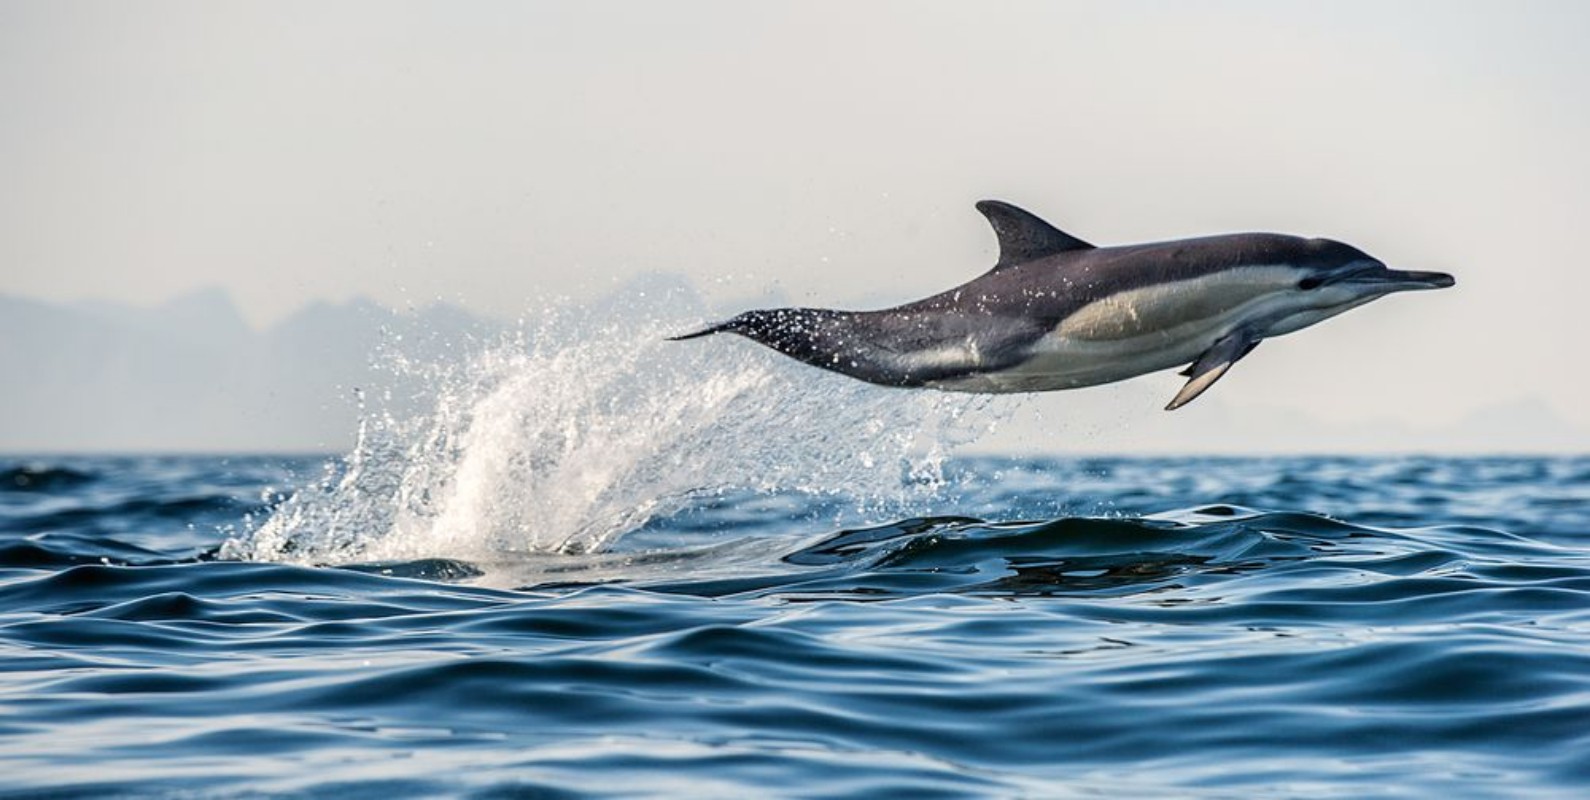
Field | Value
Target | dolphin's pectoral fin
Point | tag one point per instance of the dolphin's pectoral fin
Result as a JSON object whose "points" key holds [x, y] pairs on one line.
{"points": [[1023, 236], [1191, 368], [1203, 373]]}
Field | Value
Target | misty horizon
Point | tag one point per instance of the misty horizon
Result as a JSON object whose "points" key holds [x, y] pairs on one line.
{"points": [[301, 383]]}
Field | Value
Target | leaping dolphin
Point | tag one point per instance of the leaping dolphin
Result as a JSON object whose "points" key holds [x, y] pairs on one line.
{"points": [[1058, 313]]}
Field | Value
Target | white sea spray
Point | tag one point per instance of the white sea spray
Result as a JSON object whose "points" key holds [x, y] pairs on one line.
{"points": [[565, 435]]}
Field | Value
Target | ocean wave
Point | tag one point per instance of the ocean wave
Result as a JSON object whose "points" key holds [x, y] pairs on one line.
{"points": [[1065, 626], [35, 478]]}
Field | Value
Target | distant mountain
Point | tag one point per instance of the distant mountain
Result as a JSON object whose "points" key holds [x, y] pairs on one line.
{"points": [[190, 374], [210, 310]]}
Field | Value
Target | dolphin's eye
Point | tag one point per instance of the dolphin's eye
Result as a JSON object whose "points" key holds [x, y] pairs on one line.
{"points": [[1310, 282]]}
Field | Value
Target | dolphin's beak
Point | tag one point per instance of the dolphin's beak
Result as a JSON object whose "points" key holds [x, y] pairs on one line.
{"points": [[1424, 280], [1396, 280]]}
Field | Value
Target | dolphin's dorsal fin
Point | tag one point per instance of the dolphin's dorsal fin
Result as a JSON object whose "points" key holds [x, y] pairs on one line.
{"points": [[1023, 237]]}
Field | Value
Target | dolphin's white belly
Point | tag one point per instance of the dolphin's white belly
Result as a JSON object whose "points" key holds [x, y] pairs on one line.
{"points": [[1145, 330]]}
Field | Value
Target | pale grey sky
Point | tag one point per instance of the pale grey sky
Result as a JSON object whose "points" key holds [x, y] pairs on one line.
{"points": [[497, 153]]}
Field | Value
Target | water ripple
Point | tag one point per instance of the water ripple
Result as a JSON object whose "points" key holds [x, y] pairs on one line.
{"points": [[1230, 644]]}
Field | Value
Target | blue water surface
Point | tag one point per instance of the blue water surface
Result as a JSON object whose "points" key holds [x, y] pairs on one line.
{"points": [[1291, 627]]}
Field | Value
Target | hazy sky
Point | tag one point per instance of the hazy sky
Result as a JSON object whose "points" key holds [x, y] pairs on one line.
{"points": [[497, 153]]}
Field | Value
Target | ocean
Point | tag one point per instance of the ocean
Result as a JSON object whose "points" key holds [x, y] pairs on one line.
{"points": [[1227, 627], [575, 576]]}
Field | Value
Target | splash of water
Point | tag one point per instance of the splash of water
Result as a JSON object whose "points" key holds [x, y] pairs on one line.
{"points": [[564, 438]]}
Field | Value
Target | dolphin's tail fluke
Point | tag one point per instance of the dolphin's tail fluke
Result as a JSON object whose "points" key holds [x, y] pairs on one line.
{"points": [[707, 331]]}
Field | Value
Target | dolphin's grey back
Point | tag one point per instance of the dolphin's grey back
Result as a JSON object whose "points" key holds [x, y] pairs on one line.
{"points": [[1056, 286], [1003, 313]]}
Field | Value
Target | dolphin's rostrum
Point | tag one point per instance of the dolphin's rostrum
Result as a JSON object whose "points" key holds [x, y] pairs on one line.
{"points": [[1058, 313]]}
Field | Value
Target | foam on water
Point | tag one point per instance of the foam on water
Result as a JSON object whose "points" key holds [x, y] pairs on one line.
{"points": [[565, 437]]}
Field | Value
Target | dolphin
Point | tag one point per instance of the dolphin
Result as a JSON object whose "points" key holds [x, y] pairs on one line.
{"points": [[1056, 312]]}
